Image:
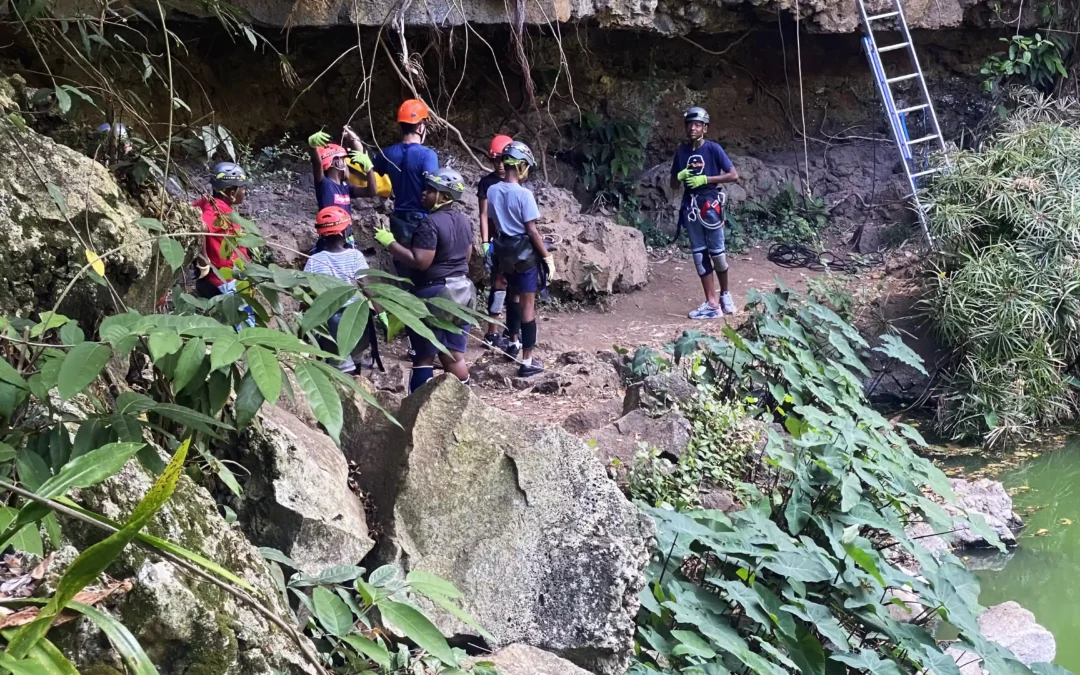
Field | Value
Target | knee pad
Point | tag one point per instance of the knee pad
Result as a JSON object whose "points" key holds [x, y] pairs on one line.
{"points": [[495, 302], [513, 318], [719, 261], [528, 335], [703, 263]]}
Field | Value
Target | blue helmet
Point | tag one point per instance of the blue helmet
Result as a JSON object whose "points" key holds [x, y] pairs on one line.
{"points": [[228, 174], [106, 128]]}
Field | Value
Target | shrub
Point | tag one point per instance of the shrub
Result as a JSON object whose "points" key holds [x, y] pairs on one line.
{"points": [[800, 580], [787, 217], [1005, 295]]}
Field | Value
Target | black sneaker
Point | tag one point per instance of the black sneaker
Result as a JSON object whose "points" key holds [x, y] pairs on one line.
{"points": [[512, 349], [491, 341], [535, 368]]}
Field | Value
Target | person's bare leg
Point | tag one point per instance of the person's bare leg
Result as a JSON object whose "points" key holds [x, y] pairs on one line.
{"points": [[454, 362], [708, 284], [723, 281]]}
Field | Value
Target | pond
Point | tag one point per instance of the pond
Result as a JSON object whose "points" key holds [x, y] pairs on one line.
{"points": [[1043, 575]]}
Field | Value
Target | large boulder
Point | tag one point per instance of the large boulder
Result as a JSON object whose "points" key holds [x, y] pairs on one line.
{"points": [[297, 498], [42, 246], [526, 660], [668, 432], [988, 498], [1014, 628], [185, 625], [518, 515]]}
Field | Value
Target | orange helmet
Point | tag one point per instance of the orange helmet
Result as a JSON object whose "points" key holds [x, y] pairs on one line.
{"points": [[332, 220], [498, 144], [328, 153], [413, 111]]}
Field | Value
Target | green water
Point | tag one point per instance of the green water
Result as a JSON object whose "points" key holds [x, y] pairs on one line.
{"points": [[1043, 575]]}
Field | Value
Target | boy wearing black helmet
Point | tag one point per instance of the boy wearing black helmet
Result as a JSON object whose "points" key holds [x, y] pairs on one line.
{"points": [[438, 254], [227, 181], [700, 166], [520, 251]]}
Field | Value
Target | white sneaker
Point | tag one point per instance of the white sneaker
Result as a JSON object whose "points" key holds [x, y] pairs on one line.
{"points": [[348, 365], [704, 311], [727, 304]]}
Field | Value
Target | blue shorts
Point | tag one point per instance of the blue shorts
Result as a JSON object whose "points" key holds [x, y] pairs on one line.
{"points": [[702, 238], [523, 282], [421, 346]]}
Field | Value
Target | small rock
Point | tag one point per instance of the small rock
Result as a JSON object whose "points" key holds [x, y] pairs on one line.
{"points": [[584, 421], [623, 438], [720, 500], [659, 392], [989, 498], [519, 659]]}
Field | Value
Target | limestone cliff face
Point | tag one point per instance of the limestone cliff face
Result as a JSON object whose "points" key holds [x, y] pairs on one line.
{"points": [[669, 17]]}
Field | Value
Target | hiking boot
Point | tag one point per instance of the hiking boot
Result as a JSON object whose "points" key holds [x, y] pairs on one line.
{"points": [[494, 341], [705, 311], [534, 368], [727, 304]]}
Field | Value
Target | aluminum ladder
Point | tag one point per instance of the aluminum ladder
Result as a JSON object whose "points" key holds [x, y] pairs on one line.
{"points": [[907, 146]]}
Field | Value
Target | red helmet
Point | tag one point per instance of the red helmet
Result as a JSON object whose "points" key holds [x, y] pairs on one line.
{"points": [[498, 144], [328, 153], [413, 111], [332, 220]]}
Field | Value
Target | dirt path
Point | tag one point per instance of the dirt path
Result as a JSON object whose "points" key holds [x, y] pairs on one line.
{"points": [[656, 314]]}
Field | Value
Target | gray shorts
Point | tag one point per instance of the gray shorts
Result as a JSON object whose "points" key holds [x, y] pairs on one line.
{"points": [[702, 239]]}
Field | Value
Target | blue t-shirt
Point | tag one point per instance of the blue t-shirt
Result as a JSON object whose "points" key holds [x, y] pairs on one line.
{"points": [[329, 193], [708, 160], [510, 206], [405, 165]]}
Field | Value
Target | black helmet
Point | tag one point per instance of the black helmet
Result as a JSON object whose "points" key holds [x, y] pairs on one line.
{"points": [[696, 114], [228, 174], [518, 152], [447, 181]]}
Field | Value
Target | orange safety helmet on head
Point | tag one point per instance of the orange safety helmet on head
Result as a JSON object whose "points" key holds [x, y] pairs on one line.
{"points": [[328, 153], [498, 144], [413, 111], [332, 220]]}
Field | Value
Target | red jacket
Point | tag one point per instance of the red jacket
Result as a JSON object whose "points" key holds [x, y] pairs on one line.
{"points": [[214, 216]]}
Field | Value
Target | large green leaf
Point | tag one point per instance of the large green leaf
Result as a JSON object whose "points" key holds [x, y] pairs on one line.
{"points": [[94, 560], [807, 653], [798, 566], [351, 328], [326, 305], [893, 346], [332, 612], [249, 399], [369, 649], [690, 643], [164, 342], [187, 366], [419, 629], [429, 584], [413, 321], [275, 339], [43, 659], [85, 471], [322, 397], [225, 352], [11, 376], [850, 492], [172, 251], [338, 574], [265, 369], [81, 367], [136, 660], [868, 662], [27, 539]]}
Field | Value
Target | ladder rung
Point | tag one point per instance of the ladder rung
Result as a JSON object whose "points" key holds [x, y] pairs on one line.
{"points": [[926, 173], [924, 139], [913, 108], [886, 15], [901, 78], [890, 48]]}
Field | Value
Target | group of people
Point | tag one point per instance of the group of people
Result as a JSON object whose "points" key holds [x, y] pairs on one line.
{"points": [[429, 239]]}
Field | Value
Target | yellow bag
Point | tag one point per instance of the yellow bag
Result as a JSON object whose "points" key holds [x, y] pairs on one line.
{"points": [[358, 177]]}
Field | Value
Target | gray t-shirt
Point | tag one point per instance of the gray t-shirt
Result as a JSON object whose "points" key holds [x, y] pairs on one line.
{"points": [[510, 206]]}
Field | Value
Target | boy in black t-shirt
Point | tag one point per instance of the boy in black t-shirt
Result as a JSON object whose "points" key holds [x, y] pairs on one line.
{"points": [[701, 166], [497, 291]]}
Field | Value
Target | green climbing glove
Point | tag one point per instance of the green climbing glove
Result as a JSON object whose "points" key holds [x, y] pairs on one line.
{"points": [[384, 236], [362, 159], [487, 247], [694, 182], [683, 175], [384, 320], [318, 139]]}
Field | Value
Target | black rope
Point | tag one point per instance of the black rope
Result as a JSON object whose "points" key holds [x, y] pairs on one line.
{"points": [[793, 256]]}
